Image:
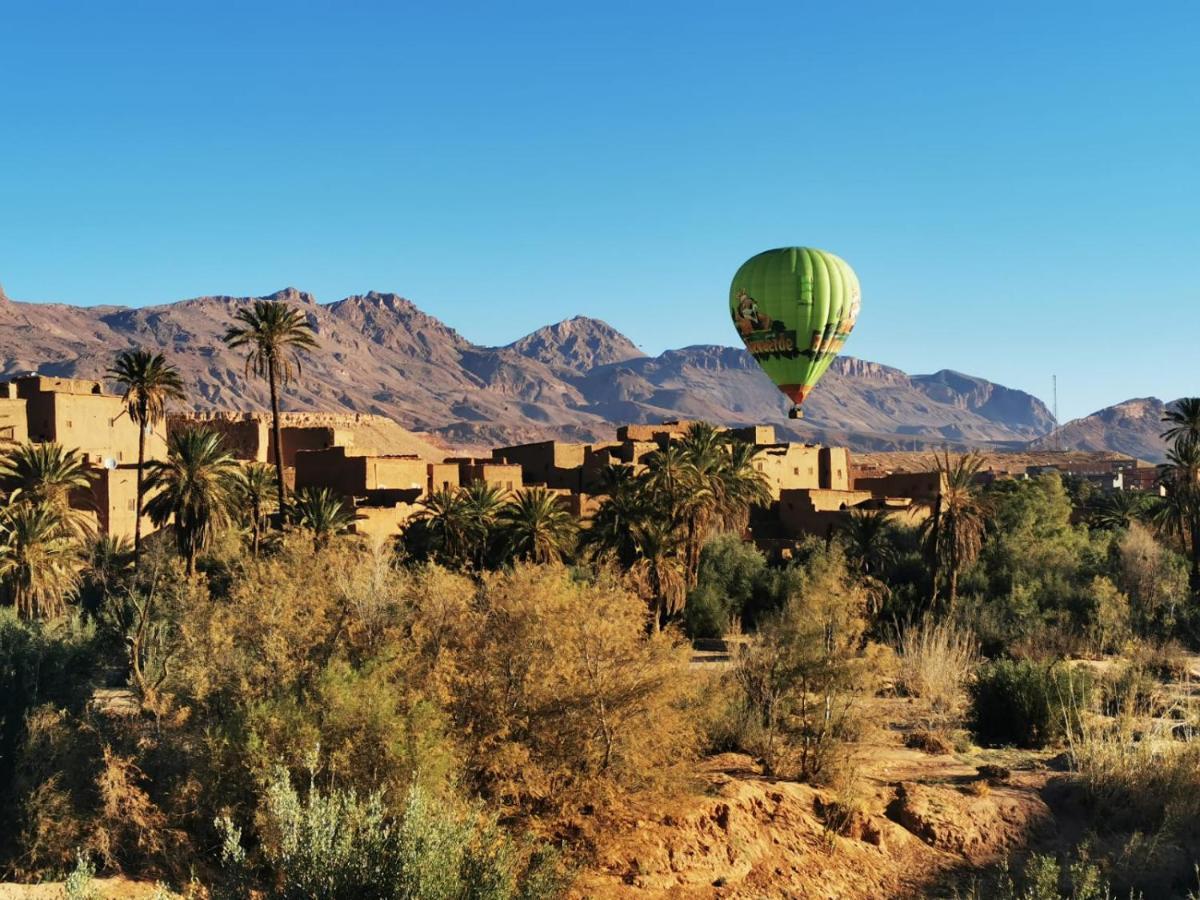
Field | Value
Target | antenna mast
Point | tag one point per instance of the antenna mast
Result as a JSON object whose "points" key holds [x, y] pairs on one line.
{"points": [[1057, 434]]}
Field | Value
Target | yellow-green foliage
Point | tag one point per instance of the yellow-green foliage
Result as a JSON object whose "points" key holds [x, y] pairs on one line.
{"points": [[799, 681], [560, 694]]}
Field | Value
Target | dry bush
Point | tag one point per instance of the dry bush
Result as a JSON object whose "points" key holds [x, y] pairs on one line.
{"points": [[1166, 660], [801, 681], [560, 696], [936, 660], [1142, 782]]}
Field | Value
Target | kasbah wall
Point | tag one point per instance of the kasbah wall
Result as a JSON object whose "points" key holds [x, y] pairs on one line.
{"points": [[811, 486]]}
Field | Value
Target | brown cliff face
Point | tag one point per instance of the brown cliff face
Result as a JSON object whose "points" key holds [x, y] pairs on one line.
{"points": [[381, 354]]}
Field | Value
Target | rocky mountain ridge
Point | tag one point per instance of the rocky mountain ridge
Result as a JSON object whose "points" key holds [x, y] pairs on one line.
{"points": [[382, 354]]}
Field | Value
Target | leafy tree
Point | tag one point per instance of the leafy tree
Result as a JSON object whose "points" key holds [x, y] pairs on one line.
{"points": [[48, 474], [148, 382], [733, 578], [321, 512], [954, 533], [536, 527], [39, 560], [193, 488], [273, 334], [254, 487]]}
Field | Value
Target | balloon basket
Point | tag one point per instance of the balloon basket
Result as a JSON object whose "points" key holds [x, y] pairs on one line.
{"points": [[795, 413]]}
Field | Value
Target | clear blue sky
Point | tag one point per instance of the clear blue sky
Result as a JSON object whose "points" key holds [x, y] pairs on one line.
{"points": [[1017, 185]]}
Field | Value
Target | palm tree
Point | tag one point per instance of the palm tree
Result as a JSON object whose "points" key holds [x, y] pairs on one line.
{"points": [[254, 487], [954, 533], [39, 560], [148, 381], [683, 494], [47, 473], [744, 486], [867, 536], [108, 562], [536, 527], [1183, 417], [482, 505], [441, 528], [659, 568], [1118, 509], [194, 486], [322, 512], [273, 334], [625, 505], [1178, 512]]}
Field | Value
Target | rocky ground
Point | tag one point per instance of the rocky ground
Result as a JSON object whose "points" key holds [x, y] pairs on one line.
{"points": [[912, 824]]}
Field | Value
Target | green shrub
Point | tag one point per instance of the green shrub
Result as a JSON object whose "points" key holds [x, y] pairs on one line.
{"points": [[338, 844], [1026, 704], [732, 583]]}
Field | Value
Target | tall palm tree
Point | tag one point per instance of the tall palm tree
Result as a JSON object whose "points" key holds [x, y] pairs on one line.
{"points": [[536, 527], [954, 533], [39, 560], [441, 528], [148, 382], [482, 505], [1183, 419], [660, 568], [1178, 512], [47, 473], [254, 487], [322, 512], [681, 488], [194, 486], [273, 334], [625, 505], [744, 486]]}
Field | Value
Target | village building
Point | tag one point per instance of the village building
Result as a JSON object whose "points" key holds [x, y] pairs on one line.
{"points": [[385, 490], [82, 416]]}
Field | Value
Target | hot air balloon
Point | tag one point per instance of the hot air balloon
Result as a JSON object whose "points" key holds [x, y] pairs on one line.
{"points": [[794, 308]]}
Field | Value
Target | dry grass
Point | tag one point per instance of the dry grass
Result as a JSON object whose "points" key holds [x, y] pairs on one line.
{"points": [[1139, 773], [936, 660]]}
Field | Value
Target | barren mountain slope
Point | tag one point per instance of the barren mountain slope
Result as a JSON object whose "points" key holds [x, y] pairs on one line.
{"points": [[381, 354], [1133, 427]]}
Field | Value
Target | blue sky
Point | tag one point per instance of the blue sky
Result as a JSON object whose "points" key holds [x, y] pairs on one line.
{"points": [[1018, 186]]}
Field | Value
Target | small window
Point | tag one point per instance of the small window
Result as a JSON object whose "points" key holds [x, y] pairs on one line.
{"points": [[810, 470], [508, 485], [132, 504], [796, 470], [445, 485], [759, 466]]}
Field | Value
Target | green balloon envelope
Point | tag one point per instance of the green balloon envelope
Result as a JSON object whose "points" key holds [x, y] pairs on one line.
{"points": [[794, 308]]}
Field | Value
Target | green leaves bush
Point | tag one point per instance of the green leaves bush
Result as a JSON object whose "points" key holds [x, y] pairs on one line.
{"points": [[1026, 704], [339, 845]]}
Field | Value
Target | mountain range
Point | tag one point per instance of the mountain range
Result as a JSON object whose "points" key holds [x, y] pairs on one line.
{"points": [[379, 353]]}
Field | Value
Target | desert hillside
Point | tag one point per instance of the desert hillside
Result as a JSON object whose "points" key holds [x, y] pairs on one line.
{"points": [[380, 354]]}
